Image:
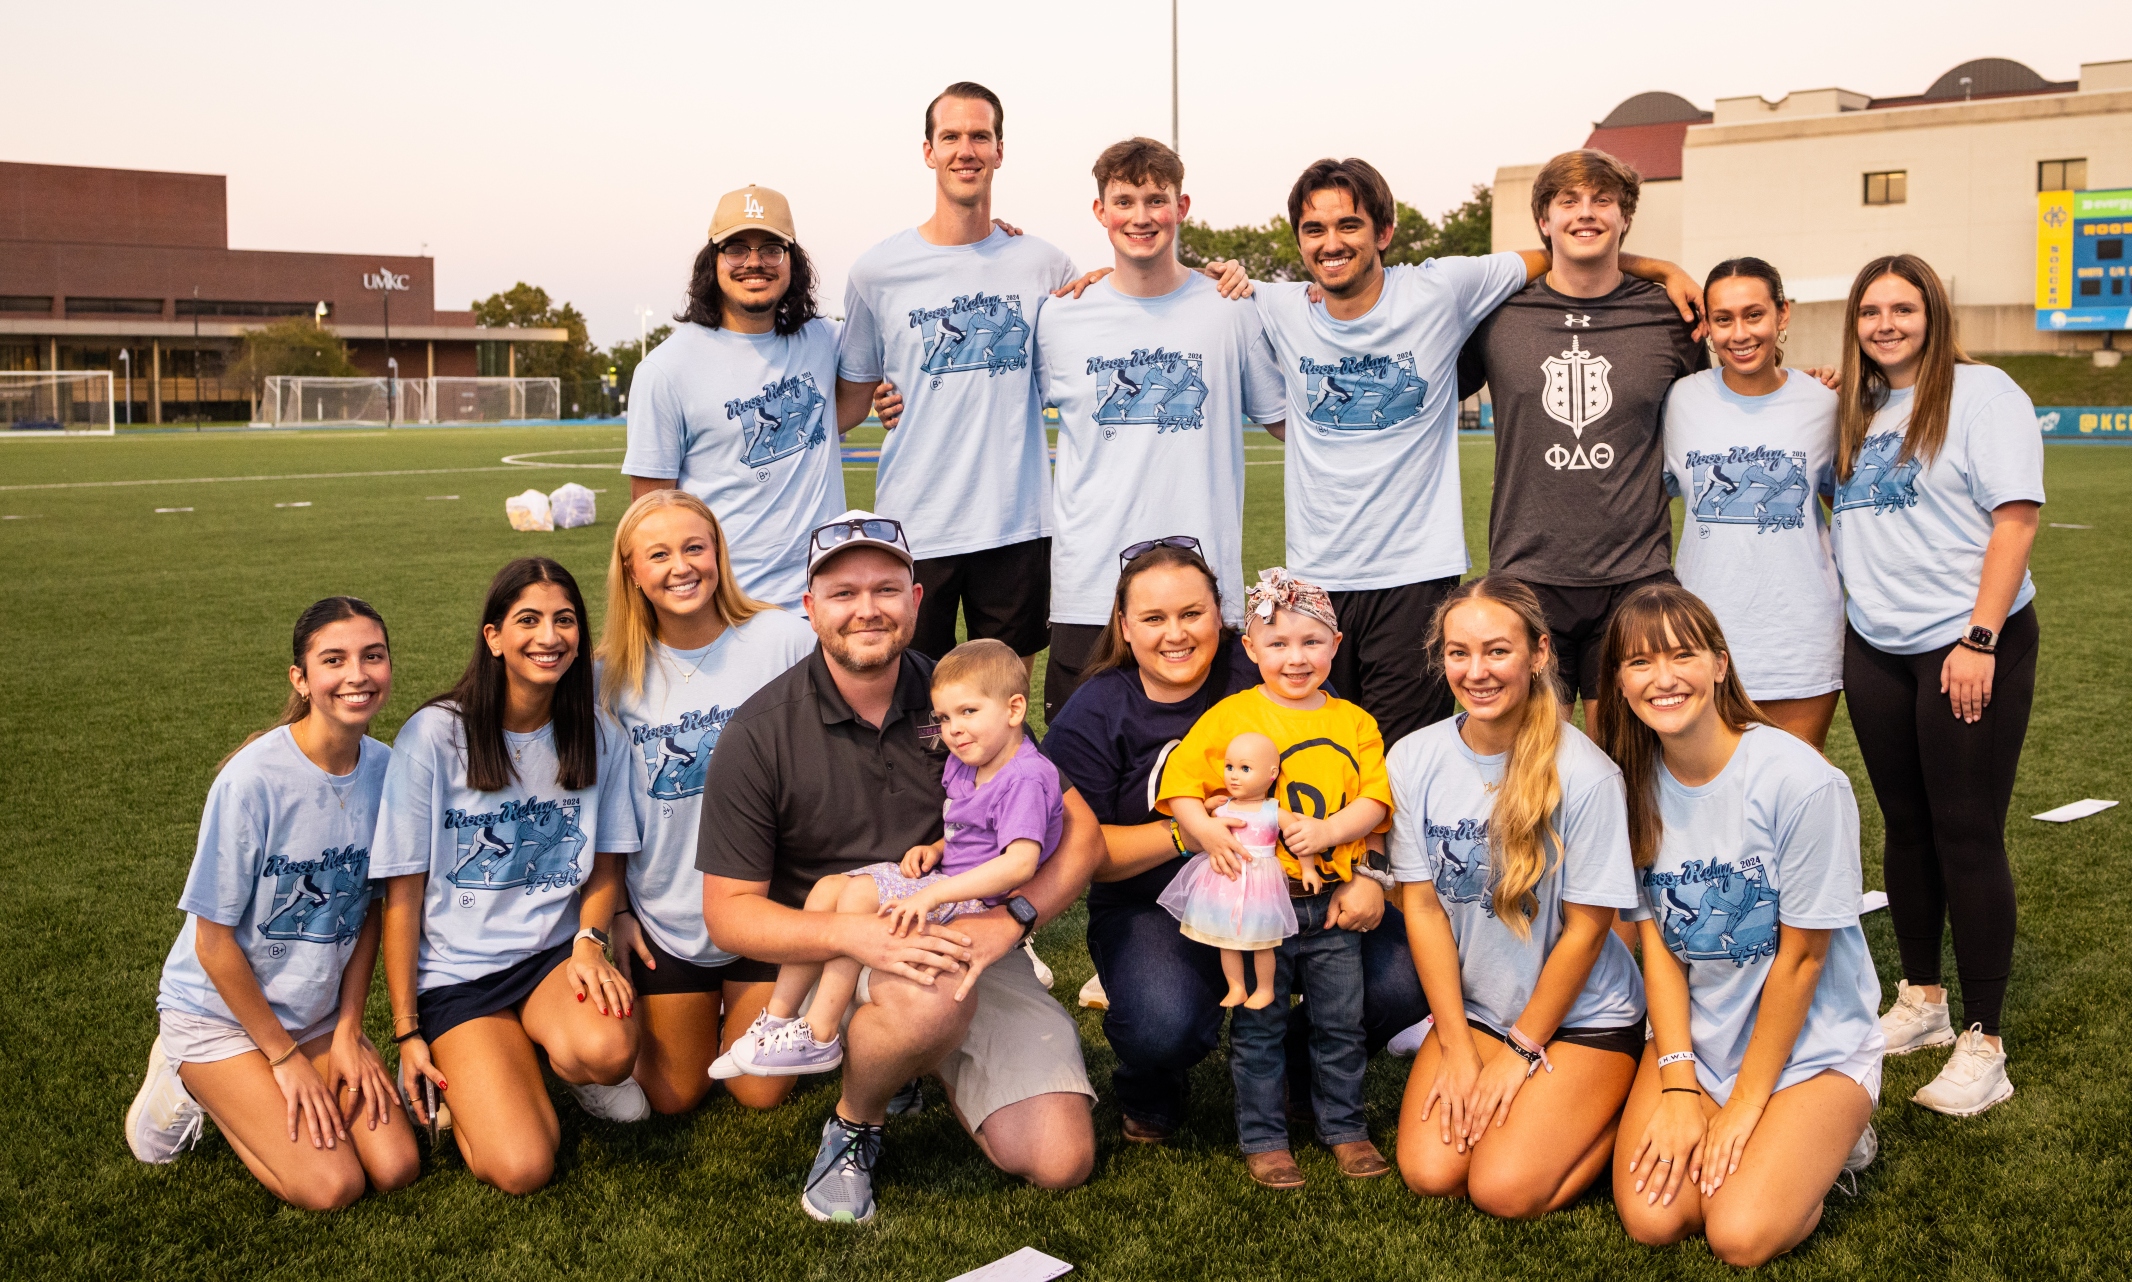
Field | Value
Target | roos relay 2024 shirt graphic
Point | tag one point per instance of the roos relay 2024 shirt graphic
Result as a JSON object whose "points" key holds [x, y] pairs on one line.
{"points": [[677, 754], [975, 332], [1363, 393], [952, 327], [780, 422], [529, 843], [1152, 395], [1749, 485]]}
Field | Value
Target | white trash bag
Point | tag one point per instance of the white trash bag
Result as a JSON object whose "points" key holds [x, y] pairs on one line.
{"points": [[573, 506], [529, 511]]}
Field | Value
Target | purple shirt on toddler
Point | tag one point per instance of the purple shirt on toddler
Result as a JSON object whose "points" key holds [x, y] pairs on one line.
{"points": [[1022, 801]]}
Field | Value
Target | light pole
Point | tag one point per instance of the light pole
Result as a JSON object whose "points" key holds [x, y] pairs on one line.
{"points": [[1173, 76], [196, 358], [643, 329], [126, 357], [384, 283]]}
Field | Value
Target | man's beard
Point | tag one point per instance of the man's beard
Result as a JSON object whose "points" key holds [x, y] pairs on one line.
{"points": [[838, 650], [754, 308]]}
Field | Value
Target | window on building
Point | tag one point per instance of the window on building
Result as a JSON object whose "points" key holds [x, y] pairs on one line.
{"points": [[115, 306], [227, 307], [2061, 175], [1890, 188], [26, 303]]}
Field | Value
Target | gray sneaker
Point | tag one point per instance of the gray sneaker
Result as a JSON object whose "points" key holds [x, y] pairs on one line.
{"points": [[911, 1099], [840, 1188]]}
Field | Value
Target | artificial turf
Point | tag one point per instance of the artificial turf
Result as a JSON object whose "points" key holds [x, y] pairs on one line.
{"points": [[141, 646]]}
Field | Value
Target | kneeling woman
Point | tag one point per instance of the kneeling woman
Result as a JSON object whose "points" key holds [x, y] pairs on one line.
{"points": [[684, 647], [1511, 846], [262, 997], [499, 795], [1765, 1066]]}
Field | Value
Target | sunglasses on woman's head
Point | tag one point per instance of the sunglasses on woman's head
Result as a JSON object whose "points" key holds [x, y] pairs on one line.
{"points": [[1182, 542]]}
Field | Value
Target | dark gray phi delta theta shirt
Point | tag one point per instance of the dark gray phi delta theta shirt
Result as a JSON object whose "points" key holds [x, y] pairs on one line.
{"points": [[1579, 387]]}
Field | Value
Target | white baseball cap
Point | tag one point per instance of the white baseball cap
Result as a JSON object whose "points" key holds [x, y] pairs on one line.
{"points": [[857, 528]]}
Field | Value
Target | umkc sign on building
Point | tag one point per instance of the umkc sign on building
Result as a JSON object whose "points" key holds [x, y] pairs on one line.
{"points": [[124, 269]]}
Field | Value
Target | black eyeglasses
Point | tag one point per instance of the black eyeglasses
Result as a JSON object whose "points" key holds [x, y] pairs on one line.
{"points": [[1182, 542], [838, 533]]}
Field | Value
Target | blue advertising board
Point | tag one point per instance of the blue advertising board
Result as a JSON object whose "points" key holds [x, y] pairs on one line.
{"points": [[2083, 276], [2098, 424]]}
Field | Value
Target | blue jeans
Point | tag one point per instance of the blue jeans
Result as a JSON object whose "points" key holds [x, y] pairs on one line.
{"points": [[1165, 1002], [1328, 963]]}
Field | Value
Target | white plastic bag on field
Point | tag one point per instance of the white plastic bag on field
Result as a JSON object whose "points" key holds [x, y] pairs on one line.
{"points": [[573, 506], [529, 511]]}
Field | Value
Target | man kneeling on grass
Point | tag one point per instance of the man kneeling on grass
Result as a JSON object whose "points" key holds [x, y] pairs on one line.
{"points": [[835, 766]]}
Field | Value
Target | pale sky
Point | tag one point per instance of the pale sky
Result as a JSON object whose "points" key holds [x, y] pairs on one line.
{"points": [[582, 147]]}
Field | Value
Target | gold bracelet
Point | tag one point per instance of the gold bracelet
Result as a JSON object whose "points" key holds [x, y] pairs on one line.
{"points": [[398, 1020], [284, 1057]]}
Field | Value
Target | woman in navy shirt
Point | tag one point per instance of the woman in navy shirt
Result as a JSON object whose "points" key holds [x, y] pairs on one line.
{"points": [[1163, 660]]}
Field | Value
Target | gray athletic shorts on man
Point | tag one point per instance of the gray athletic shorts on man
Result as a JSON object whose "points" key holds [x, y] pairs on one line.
{"points": [[1021, 1044]]}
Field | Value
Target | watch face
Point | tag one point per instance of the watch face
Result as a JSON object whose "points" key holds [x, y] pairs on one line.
{"points": [[1981, 635]]}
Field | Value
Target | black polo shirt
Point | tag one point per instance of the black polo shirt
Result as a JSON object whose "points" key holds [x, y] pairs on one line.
{"points": [[800, 788]]}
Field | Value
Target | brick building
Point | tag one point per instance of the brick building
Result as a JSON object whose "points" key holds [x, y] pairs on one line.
{"points": [[131, 271]]}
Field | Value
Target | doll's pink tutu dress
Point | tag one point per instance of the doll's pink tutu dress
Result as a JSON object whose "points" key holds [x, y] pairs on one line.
{"points": [[1249, 912]]}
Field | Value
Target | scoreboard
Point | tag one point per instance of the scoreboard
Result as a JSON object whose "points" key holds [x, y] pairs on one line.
{"points": [[2083, 274]]}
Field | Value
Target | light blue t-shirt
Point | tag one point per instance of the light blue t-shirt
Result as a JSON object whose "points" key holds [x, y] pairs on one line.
{"points": [[672, 728], [1152, 394], [1910, 539], [748, 424], [952, 326], [283, 859], [504, 867], [1372, 465], [1773, 839], [1755, 546], [1442, 797]]}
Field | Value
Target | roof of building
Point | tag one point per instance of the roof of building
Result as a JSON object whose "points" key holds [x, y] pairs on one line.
{"points": [[1647, 130]]}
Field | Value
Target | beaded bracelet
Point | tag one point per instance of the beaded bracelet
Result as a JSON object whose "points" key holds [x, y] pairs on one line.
{"points": [[1177, 838]]}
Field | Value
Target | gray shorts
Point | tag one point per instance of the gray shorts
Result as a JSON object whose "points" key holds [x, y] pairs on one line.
{"points": [[1021, 1044], [196, 1039]]}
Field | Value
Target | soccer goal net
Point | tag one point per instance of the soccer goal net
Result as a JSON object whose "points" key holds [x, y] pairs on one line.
{"points": [[54, 402], [288, 400], [495, 400]]}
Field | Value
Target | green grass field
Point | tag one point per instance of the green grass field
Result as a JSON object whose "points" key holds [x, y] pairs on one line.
{"points": [[143, 645]]}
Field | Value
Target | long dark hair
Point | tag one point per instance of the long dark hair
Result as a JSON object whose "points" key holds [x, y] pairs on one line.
{"points": [[1654, 618], [1865, 385], [706, 300], [316, 616], [1111, 650], [478, 699]]}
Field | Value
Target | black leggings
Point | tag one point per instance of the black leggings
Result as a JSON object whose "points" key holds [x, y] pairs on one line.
{"points": [[1943, 786]]}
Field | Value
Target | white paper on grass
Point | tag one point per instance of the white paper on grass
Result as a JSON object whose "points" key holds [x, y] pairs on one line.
{"points": [[2074, 810], [1025, 1265], [1872, 902], [529, 511], [573, 506]]}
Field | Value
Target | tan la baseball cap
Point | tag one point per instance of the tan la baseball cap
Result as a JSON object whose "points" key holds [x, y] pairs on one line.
{"points": [[752, 207]]}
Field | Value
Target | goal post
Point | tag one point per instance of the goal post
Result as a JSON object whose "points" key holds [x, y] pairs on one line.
{"points": [[67, 402], [288, 400], [495, 400]]}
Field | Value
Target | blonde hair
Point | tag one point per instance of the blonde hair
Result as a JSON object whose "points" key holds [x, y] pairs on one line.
{"points": [[1521, 823], [992, 667], [1865, 385], [632, 624]]}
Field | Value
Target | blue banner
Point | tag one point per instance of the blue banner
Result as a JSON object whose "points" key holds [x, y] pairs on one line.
{"points": [[2110, 424]]}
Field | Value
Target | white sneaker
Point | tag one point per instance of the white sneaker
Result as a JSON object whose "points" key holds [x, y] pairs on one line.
{"points": [[1043, 972], [164, 1119], [1973, 1079], [1861, 1156], [1406, 1043], [624, 1103], [1092, 995], [1913, 1023]]}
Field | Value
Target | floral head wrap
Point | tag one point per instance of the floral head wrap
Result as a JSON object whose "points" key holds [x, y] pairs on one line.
{"points": [[1278, 589]]}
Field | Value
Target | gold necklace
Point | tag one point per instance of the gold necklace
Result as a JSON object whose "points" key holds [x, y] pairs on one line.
{"points": [[689, 675]]}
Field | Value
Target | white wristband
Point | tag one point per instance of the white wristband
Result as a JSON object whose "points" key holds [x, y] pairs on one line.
{"points": [[1677, 1057]]}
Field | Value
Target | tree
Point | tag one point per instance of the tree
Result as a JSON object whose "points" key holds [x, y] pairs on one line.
{"points": [[624, 357], [1268, 251], [576, 360], [294, 345]]}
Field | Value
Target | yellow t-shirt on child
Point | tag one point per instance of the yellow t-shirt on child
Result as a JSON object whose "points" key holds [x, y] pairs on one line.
{"points": [[1330, 756]]}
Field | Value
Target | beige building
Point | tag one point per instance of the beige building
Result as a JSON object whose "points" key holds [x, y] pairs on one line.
{"points": [[1826, 179]]}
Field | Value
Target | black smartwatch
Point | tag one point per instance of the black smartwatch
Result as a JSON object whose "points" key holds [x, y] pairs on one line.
{"points": [[1024, 912], [1981, 639]]}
